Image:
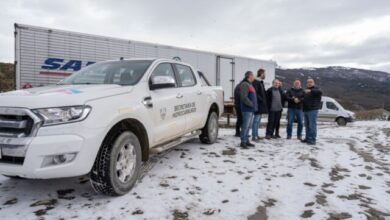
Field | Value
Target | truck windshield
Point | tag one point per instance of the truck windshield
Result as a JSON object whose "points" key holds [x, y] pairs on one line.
{"points": [[113, 72]]}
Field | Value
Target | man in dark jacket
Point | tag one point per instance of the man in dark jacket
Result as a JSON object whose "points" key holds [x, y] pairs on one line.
{"points": [[294, 97], [258, 84], [238, 109], [311, 105], [248, 103], [275, 100]]}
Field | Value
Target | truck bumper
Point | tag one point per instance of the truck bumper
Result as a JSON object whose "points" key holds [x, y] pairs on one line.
{"points": [[350, 119], [40, 153]]}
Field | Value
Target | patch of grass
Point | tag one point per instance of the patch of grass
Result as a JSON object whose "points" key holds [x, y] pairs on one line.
{"points": [[7, 77]]}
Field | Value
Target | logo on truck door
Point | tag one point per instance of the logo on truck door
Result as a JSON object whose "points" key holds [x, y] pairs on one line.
{"points": [[52, 64], [163, 112]]}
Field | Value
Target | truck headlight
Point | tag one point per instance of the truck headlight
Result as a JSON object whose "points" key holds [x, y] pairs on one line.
{"points": [[61, 115]]}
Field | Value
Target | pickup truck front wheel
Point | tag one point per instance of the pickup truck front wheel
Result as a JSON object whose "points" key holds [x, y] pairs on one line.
{"points": [[210, 131], [117, 166]]}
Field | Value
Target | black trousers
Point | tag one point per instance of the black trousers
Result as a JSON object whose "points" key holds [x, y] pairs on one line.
{"points": [[239, 119], [273, 123]]}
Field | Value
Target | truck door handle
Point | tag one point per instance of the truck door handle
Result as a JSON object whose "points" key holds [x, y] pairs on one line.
{"points": [[148, 102], [179, 96]]}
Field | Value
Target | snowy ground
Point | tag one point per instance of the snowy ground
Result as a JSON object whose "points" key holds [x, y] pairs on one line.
{"points": [[346, 175]]}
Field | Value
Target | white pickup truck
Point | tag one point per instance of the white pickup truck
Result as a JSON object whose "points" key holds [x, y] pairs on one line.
{"points": [[104, 120]]}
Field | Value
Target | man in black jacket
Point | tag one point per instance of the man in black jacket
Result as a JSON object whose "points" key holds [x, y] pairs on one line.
{"points": [[275, 100], [238, 109], [294, 97], [258, 84], [311, 105]]}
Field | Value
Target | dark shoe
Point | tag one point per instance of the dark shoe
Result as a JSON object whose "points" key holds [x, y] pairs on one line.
{"points": [[267, 137], [243, 145], [277, 136], [300, 138], [273, 136], [311, 143], [249, 144], [288, 137], [258, 139], [304, 141]]}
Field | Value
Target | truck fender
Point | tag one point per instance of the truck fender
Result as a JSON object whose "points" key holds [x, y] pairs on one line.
{"points": [[136, 127]]}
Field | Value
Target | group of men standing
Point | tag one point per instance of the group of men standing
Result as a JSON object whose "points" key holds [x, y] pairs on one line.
{"points": [[252, 100]]}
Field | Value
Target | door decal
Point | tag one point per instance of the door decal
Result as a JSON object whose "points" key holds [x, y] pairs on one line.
{"points": [[180, 110]]}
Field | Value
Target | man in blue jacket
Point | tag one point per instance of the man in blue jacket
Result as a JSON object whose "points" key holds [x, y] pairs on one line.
{"points": [[248, 104], [311, 105]]}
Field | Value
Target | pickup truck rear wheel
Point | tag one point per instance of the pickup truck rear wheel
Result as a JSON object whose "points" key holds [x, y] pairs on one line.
{"points": [[117, 166], [210, 131]]}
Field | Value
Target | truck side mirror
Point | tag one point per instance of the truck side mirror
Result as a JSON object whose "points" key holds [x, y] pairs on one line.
{"points": [[161, 82]]}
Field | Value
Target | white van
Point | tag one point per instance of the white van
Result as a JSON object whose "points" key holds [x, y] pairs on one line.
{"points": [[332, 111]]}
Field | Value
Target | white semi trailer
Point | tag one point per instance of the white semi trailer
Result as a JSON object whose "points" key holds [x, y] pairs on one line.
{"points": [[44, 56]]}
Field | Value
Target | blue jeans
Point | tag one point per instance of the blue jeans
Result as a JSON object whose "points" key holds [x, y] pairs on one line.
{"points": [[311, 126], [255, 126], [246, 124], [293, 113]]}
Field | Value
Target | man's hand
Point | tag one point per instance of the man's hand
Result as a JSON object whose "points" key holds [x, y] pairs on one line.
{"points": [[296, 100], [307, 90]]}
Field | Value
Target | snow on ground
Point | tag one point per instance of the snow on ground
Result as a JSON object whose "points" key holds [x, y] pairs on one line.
{"points": [[346, 175]]}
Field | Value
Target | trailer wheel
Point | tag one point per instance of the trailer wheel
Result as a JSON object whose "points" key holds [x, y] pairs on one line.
{"points": [[117, 166], [209, 133], [341, 121]]}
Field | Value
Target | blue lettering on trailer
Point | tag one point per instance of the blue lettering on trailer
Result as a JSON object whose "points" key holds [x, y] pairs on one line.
{"points": [[58, 63], [72, 64], [52, 63]]}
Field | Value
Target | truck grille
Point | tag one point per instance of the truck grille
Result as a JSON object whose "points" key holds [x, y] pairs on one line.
{"points": [[15, 125], [17, 128], [12, 160]]}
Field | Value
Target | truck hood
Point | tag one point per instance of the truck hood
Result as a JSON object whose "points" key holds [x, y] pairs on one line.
{"points": [[59, 95]]}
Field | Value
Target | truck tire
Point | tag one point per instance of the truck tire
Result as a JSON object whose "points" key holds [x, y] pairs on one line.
{"points": [[118, 164], [341, 121], [209, 133]]}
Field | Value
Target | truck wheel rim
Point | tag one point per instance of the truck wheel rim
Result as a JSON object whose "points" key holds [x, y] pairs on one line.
{"points": [[125, 163], [213, 127]]}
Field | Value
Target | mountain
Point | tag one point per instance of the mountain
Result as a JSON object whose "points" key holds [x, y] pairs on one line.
{"points": [[7, 76], [356, 89]]}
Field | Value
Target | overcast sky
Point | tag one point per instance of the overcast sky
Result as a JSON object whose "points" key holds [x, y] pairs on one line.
{"points": [[295, 33]]}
